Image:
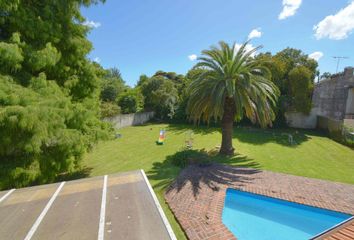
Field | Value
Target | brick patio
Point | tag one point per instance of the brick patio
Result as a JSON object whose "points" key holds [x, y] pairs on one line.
{"points": [[197, 196]]}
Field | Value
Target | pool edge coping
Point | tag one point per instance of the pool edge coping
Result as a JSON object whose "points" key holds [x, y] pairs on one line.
{"points": [[292, 201], [335, 228]]}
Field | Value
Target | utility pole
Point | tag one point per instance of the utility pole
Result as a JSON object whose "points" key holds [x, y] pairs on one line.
{"points": [[339, 58]]}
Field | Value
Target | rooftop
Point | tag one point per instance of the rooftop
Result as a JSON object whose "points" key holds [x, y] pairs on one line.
{"points": [[119, 206]]}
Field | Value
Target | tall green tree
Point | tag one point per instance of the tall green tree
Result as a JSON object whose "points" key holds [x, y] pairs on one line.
{"points": [[326, 75], [181, 113], [51, 39], [160, 95], [142, 79], [281, 65], [234, 85], [301, 87], [291, 58], [49, 89], [178, 80], [131, 101], [112, 85]]}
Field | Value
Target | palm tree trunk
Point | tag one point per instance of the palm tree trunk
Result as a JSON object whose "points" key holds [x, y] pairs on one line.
{"points": [[227, 122]]}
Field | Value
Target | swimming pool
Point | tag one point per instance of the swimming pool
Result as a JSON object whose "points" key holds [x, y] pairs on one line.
{"points": [[255, 217]]}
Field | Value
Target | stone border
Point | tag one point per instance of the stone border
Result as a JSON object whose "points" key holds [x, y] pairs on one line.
{"points": [[197, 196]]}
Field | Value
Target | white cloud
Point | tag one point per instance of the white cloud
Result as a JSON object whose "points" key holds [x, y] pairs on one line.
{"points": [[91, 24], [248, 48], [337, 26], [255, 33], [97, 60], [316, 55], [289, 8], [192, 57]]}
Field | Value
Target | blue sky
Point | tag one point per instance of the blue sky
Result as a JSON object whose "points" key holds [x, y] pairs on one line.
{"points": [[143, 36]]}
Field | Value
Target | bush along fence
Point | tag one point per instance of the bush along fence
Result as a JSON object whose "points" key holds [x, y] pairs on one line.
{"points": [[337, 130], [125, 120]]}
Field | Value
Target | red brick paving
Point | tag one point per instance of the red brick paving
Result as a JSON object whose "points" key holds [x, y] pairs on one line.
{"points": [[197, 196]]}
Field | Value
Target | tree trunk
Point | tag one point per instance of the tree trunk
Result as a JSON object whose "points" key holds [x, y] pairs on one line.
{"points": [[227, 122]]}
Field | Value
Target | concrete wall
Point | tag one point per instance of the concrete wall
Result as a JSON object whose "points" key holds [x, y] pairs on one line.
{"points": [[300, 120], [330, 96], [333, 99], [125, 120], [350, 104]]}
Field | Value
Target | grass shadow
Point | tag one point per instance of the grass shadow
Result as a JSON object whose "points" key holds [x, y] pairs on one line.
{"points": [[285, 137], [207, 170], [250, 134], [197, 129], [80, 173]]}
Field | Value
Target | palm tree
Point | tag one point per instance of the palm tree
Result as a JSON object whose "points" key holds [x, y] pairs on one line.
{"points": [[233, 84]]}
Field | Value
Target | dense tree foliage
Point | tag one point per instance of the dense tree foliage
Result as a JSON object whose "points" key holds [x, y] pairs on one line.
{"points": [[142, 79], [181, 110], [301, 86], [326, 75], [118, 97], [131, 101], [49, 90], [283, 62], [177, 79], [161, 94], [112, 85], [280, 66], [47, 36]]}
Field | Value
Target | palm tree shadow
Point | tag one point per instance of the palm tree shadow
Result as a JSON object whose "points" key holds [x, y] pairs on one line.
{"points": [[211, 176], [210, 173]]}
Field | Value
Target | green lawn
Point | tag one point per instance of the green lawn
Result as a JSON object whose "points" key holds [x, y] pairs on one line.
{"points": [[313, 155]]}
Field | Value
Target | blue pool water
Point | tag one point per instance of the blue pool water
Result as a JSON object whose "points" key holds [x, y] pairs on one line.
{"points": [[254, 217]]}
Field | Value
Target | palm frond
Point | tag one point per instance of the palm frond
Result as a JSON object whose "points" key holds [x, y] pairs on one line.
{"points": [[232, 74]]}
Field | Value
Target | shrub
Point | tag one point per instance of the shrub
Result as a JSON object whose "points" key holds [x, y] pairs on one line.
{"points": [[348, 136], [112, 84], [185, 157], [109, 109]]}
